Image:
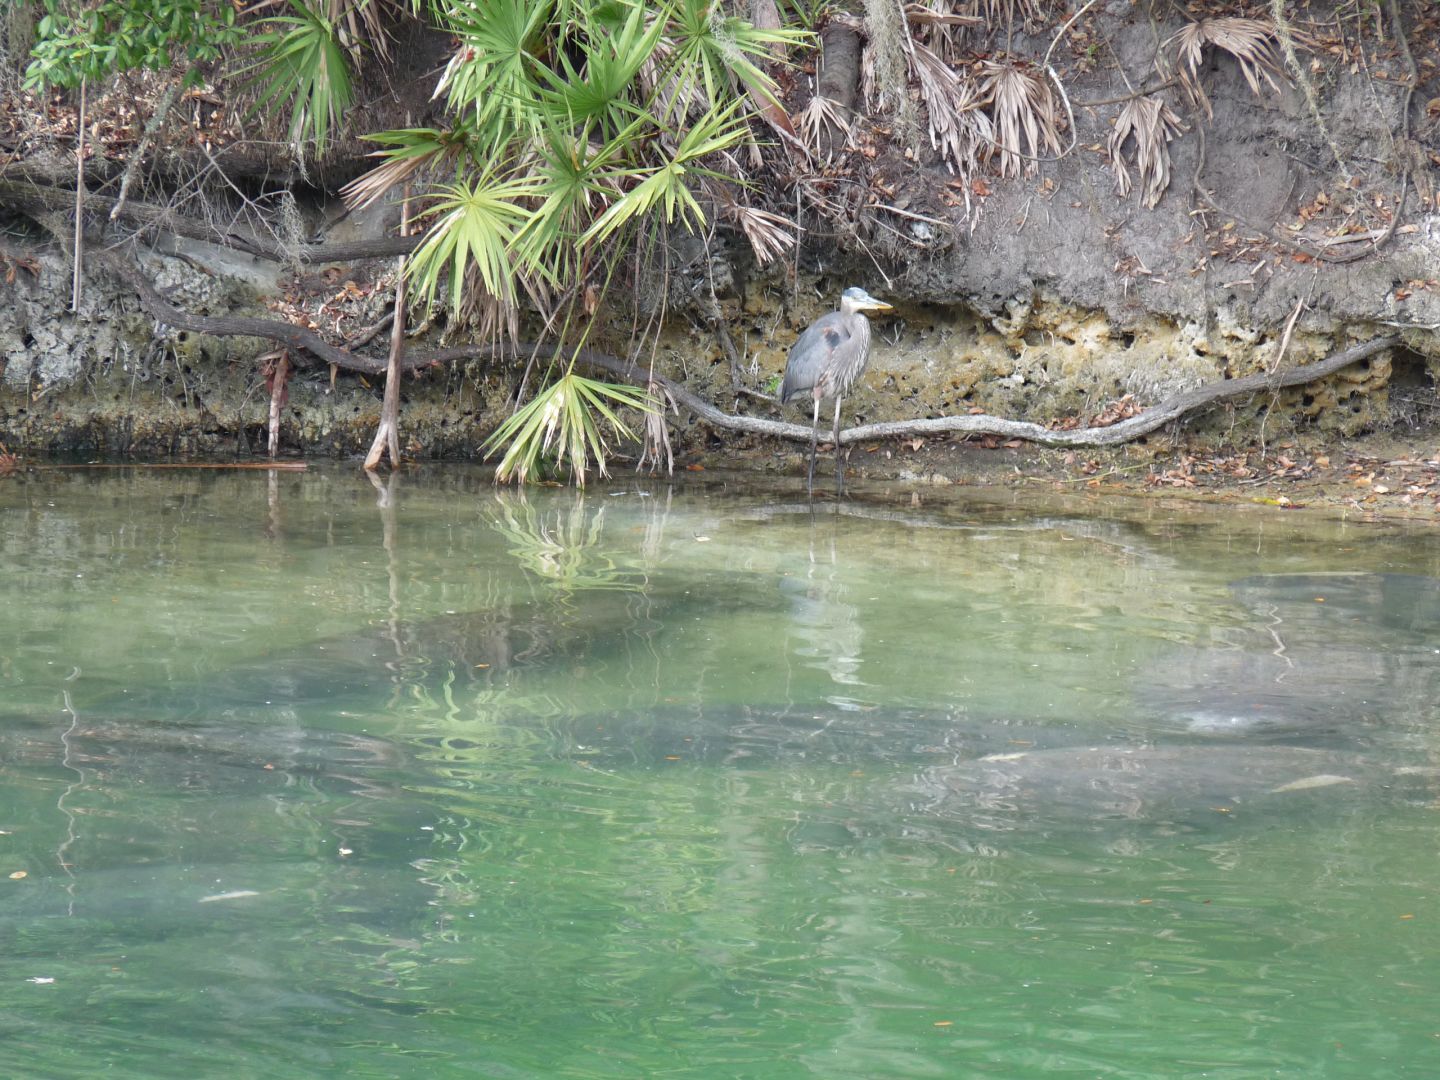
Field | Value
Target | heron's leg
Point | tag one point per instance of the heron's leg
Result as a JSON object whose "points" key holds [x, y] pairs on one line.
{"points": [[814, 439], [839, 461]]}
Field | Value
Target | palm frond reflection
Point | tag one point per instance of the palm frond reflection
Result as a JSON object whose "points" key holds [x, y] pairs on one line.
{"points": [[560, 541]]}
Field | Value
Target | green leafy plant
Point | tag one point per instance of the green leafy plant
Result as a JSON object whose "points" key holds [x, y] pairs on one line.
{"points": [[76, 43], [572, 132], [577, 128], [475, 228]]}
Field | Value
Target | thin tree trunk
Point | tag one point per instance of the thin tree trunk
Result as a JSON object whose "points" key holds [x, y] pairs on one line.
{"points": [[387, 435], [277, 399], [79, 200]]}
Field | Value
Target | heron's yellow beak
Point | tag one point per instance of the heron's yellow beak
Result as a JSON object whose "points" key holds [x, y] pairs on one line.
{"points": [[879, 305]]}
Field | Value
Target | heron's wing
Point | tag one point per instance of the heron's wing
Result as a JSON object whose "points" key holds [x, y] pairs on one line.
{"points": [[813, 353]]}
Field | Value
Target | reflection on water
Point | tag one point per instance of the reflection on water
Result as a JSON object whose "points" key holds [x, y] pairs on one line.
{"points": [[303, 777]]}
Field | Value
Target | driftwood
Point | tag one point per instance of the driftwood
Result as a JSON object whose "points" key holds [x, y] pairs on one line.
{"points": [[268, 466], [1173, 408]]}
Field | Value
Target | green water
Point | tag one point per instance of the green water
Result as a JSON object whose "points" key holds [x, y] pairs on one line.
{"points": [[307, 779]]}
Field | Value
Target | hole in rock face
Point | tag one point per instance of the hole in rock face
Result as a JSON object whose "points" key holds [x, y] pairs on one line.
{"points": [[1414, 401]]}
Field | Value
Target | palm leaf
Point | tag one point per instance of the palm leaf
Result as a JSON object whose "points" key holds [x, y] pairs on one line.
{"points": [[493, 74], [411, 150], [303, 61], [821, 119], [1025, 116], [564, 421], [1251, 42], [959, 127], [597, 92], [1152, 124], [709, 50], [663, 189], [475, 226]]}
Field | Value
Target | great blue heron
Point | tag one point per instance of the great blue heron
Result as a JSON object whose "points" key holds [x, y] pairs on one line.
{"points": [[826, 360]]}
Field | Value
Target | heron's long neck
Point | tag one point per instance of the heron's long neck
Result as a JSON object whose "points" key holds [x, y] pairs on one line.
{"points": [[862, 330]]}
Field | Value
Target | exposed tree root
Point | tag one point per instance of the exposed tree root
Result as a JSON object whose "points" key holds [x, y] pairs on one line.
{"points": [[39, 198], [387, 433], [1378, 238], [1167, 411], [1157, 416]]}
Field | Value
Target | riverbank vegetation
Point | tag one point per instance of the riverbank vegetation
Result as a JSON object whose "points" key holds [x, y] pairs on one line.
{"points": [[555, 179]]}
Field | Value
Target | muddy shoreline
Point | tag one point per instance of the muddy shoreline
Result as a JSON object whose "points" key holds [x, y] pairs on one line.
{"points": [[1387, 476]]}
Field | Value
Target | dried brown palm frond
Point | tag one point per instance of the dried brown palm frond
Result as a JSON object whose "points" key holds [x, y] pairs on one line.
{"points": [[769, 234], [656, 440], [414, 151], [491, 317], [823, 126], [374, 185], [1152, 124], [941, 25], [1025, 117], [959, 127], [1002, 14], [823, 195], [1251, 42]]}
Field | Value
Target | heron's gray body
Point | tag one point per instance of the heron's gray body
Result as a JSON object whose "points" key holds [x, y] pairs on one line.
{"points": [[826, 361], [828, 358]]}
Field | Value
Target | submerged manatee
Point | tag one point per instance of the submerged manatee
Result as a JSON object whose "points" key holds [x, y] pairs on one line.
{"points": [[762, 735], [500, 645], [210, 758], [1093, 788], [1327, 659]]}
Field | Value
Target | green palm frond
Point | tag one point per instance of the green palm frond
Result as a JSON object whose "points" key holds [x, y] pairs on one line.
{"points": [[475, 226], [664, 189], [565, 421], [494, 74], [710, 49], [303, 61], [359, 24], [573, 194], [596, 94]]}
